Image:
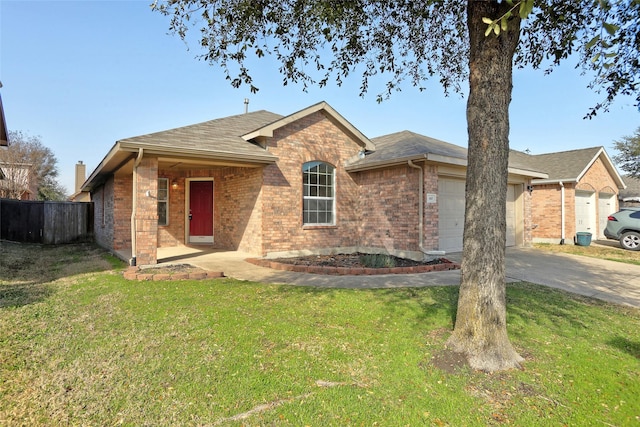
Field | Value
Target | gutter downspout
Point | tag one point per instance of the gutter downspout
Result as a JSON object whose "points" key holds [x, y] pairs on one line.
{"points": [[562, 212], [134, 205], [420, 206]]}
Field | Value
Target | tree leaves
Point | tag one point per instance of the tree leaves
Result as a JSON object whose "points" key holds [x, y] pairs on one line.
{"points": [[525, 7], [393, 42], [628, 157]]}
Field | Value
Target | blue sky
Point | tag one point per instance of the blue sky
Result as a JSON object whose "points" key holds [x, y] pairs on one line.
{"points": [[84, 74]]}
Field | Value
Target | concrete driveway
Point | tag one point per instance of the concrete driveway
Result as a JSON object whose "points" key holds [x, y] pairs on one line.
{"points": [[606, 280]]}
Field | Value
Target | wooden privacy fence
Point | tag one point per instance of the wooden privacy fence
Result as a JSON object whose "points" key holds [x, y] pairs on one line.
{"points": [[45, 222]]}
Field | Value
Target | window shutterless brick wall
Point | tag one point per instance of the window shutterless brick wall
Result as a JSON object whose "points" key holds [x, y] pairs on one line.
{"points": [[313, 138]]}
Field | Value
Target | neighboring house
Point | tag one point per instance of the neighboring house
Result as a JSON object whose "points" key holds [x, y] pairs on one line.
{"points": [[17, 181], [630, 196], [271, 185], [578, 196]]}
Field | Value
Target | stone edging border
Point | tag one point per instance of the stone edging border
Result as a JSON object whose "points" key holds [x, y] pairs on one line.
{"points": [[353, 271], [137, 273]]}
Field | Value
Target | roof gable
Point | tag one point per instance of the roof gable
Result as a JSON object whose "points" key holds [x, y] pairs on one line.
{"points": [[337, 118], [567, 166]]}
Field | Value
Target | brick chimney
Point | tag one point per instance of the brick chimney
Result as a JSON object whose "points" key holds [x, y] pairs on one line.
{"points": [[81, 175]]}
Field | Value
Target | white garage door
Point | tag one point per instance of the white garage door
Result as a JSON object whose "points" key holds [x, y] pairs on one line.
{"points": [[606, 206], [451, 214], [585, 212]]}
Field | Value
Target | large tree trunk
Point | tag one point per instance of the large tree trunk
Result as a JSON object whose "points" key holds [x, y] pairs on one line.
{"points": [[480, 329]]}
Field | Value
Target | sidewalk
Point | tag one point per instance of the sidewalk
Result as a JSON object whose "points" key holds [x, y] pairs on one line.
{"points": [[606, 280]]}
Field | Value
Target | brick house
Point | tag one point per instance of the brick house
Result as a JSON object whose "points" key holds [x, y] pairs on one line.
{"points": [[273, 186], [579, 194]]}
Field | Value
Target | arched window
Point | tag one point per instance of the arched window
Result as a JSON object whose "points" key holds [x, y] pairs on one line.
{"points": [[318, 181]]}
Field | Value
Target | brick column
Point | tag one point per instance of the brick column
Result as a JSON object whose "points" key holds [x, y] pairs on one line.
{"points": [[146, 218]]}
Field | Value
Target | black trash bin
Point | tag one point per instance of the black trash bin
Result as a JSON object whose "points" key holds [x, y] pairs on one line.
{"points": [[583, 238]]}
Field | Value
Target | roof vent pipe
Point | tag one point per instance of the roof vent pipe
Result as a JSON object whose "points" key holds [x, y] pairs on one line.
{"points": [[246, 105]]}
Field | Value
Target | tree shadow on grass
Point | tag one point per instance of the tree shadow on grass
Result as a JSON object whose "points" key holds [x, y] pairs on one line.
{"points": [[27, 270], [626, 345], [554, 309], [21, 295]]}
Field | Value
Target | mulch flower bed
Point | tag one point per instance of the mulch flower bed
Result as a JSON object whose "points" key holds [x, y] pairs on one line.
{"points": [[352, 264]]}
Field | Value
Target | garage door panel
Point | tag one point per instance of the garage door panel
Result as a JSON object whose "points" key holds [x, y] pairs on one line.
{"points": [[585, 212], [451, 214], [606, 206], [451, 205]]}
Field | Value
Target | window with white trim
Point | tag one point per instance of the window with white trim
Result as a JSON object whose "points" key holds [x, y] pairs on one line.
{"points": [[318, 181], [163, 201]]}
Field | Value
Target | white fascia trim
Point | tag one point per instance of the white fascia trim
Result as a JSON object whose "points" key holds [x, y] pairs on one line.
{"points": [[438, 158], [207, 154], [114, 150], [525, 172], [553, 181]]}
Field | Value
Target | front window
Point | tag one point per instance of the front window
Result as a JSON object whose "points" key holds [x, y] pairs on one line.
{"points": [[319, 193], [163, 201]]}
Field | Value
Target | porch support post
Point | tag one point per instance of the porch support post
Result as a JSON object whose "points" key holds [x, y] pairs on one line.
{"points": [[146, 214]]}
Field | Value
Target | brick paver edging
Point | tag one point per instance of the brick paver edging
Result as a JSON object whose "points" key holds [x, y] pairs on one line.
{"points": [[353, 271], [137, 273]]}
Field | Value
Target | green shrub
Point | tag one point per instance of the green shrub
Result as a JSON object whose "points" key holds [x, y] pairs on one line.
{"points": [[378, 260]]}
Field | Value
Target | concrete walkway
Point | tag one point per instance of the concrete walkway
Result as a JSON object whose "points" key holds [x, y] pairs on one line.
{"points": [[606, 280]]}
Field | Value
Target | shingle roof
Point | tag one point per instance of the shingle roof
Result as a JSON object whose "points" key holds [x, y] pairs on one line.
{"points": [[564, 165], [402, 146], [399, 147], [220, 135], [633, 187], [409, 144]]}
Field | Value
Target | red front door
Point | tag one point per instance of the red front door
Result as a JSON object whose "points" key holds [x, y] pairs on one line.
{"points": [[201, 212]]}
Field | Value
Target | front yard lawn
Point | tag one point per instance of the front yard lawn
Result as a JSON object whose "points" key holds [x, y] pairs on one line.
{"points": [[80, 345], [604, 249]]}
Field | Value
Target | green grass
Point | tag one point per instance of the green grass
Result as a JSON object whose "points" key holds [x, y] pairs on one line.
{"points": [[609, 250], [95, 349]]}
